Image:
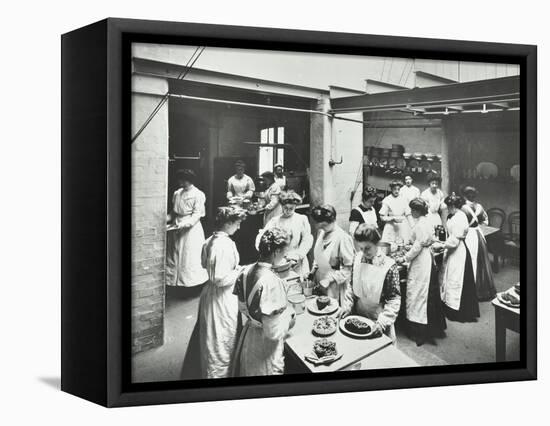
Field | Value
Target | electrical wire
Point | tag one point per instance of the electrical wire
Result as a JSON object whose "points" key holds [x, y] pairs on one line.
{"points": [[194, 57]]}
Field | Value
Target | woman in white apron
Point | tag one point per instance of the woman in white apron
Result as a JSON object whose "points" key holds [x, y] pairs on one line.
{"points": [[435, 199], [183, 245], [333, 254], [374, 291], [263, 303], [298, 228], [423, 301], [239, 185], [396, 215], [458, 290], [218, 306], [364, 212], [273, 206], [475, 240]]}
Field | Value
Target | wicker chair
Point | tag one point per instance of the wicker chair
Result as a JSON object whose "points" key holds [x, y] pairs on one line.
{"points": [[497, 217]]}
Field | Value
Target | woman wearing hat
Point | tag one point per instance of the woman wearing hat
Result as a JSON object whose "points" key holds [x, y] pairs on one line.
{"points": [[458, 289], [396, 215], [333, 253], [475, 240], [435, 199], [298, 228], [273, 206], [240, 185], [424, 308], [218, 307], [183, 245]]}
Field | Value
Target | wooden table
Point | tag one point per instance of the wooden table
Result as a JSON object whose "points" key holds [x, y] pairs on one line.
{"points": [[505, 318], [495, 243], [301, 341]]}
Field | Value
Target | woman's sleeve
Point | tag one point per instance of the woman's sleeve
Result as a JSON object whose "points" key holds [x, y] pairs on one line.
{"points": [[222, 264], [198, 209], [273, 305], [484, 216], [306, 238], [390, 298], [346, 255], [416, 247], [384, 212], [349, 296], [251, 188], [273, 199], [277, 325], [452, 240]]}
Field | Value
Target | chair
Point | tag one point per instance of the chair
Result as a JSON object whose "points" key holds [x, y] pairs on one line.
{"points": [[497, 217], [512, 239]]}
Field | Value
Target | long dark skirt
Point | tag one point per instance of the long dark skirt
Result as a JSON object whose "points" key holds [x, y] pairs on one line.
{"points": [[469, 305], [485, 284], [436, 315]]}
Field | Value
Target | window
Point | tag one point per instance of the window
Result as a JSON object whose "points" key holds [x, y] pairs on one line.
{"points": [[269, 156]]}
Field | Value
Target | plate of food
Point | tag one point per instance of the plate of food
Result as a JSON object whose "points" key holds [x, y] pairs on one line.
{"points": [[324, 326], [509, 298], [322, 305], [356, 326]]}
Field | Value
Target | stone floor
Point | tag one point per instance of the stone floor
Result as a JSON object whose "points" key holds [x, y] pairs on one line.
{"points": [[465, 342]]}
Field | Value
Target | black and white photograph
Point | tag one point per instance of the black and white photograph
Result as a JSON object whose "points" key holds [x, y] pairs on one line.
{"points": [[298, 212]]}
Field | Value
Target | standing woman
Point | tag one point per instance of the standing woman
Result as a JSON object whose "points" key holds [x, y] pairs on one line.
{"points": [[424, 307], [374, 291], [183, 245], [475, 240], [262, 301], [364, 212], [458, 290], [435, 199], [218, 306], [273, 206], [396, 215], [333, 253], [298, 228]]}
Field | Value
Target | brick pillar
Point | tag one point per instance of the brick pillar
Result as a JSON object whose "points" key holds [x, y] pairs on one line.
{"points": [[149, 201]]}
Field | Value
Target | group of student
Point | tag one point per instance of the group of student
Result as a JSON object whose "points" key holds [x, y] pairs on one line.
{"points": [[243, 315]]}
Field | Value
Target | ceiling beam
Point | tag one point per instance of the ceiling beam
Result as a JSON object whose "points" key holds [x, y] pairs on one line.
{"points": [[484, 91]]}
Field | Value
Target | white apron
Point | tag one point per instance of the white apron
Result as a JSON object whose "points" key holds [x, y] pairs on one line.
{"points": [[396, 206], [419, 274], [368, 282], [369, 216], [452, 273], [322, 258], [472, 238]]}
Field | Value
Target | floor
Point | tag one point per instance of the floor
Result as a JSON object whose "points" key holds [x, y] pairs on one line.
{"points": [[465, 342]]}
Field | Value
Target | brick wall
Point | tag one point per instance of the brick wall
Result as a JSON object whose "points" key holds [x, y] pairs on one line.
{"points": [[149, 193]]}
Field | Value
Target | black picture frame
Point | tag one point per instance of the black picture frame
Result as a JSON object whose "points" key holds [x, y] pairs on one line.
{"points": [[96, 226]]}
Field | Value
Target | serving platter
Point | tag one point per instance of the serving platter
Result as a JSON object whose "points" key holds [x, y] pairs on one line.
{"points": [[349, 333], [311, 305]]}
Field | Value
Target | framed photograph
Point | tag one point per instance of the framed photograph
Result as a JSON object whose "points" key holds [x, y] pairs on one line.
{"points": [[254, 212]]}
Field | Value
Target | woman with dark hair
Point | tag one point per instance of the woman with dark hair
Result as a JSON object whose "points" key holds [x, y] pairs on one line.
{"points": [[298, 228], [240, 185], [333, 253], [273, 206], [364, 212], [424, 308], [374, 291], [263, 302], [183, 245], [435, 199], [396, 215], [475, 240], [458, 289], [218, 307]]}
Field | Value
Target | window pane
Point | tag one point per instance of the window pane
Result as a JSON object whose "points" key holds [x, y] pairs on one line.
{"points": [[265, 157], [281, 139]]}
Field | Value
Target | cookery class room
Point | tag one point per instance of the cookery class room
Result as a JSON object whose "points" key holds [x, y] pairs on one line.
{"points": [[297, 212]]}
